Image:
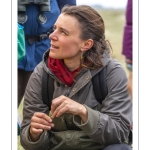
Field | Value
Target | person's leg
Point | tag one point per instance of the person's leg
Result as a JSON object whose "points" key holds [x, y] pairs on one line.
{"points": [[118, 147], [23, 77]]}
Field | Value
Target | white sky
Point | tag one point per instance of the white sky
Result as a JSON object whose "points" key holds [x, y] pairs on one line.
{"points": [[104, 3]]}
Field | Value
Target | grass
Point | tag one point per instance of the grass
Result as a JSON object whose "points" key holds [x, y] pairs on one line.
{"points": [[114, 23], [20, 114]]}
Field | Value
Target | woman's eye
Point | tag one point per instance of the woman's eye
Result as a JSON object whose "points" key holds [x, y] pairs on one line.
{"points": [[63, 32]]}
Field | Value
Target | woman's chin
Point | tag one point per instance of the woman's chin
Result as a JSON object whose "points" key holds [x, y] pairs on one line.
{"points": [[53, 55]]}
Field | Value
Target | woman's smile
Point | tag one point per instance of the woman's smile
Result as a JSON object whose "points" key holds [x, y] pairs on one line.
{"points": [[53, 47]]}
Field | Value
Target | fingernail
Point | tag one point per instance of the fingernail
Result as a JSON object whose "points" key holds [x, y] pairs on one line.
{"points": [[52, 125]]}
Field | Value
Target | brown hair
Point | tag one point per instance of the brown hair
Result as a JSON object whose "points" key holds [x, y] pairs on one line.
{"points": [[92, 27]]}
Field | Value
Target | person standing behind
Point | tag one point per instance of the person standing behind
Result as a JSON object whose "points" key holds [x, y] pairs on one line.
{"points": [[37, 20], [127, 43]]}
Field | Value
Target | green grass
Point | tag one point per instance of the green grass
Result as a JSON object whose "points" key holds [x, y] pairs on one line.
{"points": [[20, 114], [114, 23]]}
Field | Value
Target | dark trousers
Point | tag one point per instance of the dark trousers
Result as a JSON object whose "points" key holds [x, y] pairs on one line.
{"points": [[23, 77], [118, 147]]}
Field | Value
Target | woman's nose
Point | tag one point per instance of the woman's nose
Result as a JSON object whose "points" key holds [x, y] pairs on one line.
{"points": [[52, 35]]}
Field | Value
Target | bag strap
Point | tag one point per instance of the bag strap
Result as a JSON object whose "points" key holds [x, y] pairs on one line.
{"points": [[100, 85], [47, 88]]}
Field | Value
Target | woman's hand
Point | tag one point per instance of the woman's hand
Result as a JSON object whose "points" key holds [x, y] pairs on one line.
{"points": [[39, 122], [63, 104]]}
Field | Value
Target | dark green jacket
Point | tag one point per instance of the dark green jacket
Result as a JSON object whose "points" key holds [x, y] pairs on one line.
{"points": [[108, 123]]}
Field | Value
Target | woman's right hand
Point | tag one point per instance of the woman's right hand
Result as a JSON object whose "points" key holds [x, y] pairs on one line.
{"points": [[39, 122]]}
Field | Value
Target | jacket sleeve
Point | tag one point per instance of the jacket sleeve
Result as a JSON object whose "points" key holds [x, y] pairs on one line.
{"points": [[33, 103], [61, 3], [127, 36], [112, 124]]}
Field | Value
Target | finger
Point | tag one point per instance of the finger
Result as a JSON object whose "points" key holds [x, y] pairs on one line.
{"points": [[35, 131], [56, 102], [59, 111], [40, 126], [43, 116], [40, 121]]}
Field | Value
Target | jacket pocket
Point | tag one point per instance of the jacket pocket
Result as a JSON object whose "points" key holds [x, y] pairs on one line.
{"points": [[72, 140], [63, 140]]}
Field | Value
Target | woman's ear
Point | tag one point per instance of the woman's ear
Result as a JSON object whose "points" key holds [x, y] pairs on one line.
{"points": [[87, 45]]}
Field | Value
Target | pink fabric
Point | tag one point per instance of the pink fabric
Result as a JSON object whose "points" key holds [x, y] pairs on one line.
{"points": [[59, 69]]}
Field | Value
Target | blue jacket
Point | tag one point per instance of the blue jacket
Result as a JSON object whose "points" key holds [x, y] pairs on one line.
{"points": [[34, 52]]}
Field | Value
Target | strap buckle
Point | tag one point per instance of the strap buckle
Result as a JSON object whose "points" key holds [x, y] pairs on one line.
{"points": [[41, 37]]}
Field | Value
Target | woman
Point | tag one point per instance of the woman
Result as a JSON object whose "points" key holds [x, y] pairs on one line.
{"points": [[76, 119]]}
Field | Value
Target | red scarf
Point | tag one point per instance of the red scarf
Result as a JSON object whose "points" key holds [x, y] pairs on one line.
{"points": [[60, 70]]}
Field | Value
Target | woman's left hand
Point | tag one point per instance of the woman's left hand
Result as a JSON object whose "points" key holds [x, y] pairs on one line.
{"points": [[63, 104]]}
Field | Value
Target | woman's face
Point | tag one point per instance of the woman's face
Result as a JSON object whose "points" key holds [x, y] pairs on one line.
{"points": [[65, 40]]}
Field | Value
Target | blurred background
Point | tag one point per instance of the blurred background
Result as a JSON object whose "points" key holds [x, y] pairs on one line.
{"points": [[113, 14], [114, 4]]}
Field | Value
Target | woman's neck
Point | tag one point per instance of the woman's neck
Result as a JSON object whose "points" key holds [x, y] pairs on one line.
{"points": [[72, 64]]}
